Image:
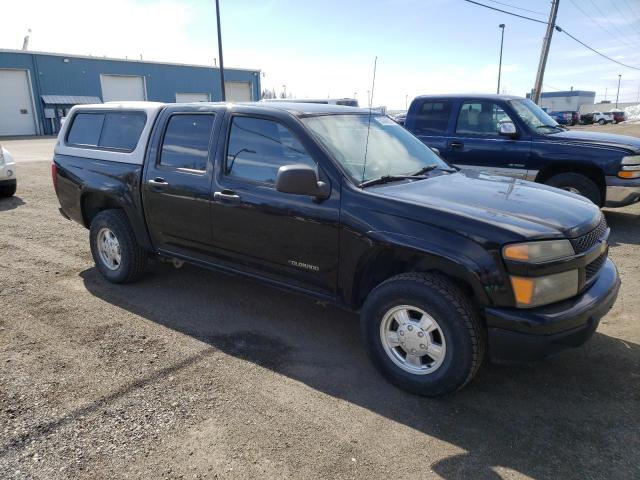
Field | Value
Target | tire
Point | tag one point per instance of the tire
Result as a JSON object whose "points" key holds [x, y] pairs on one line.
{"points": [[131, 258], [602, 121], [577, 183], [8, 190], [460, 336]]}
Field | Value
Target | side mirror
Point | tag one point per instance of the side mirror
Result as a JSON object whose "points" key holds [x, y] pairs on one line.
{"points": [[508, 129], [301, 180]]}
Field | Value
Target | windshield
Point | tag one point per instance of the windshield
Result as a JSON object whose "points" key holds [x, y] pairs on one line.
{"points": [[533, 115], [392, 150]]}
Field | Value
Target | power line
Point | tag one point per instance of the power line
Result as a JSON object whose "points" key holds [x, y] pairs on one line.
{"points": [[558, 28], [633, 10], [597, 22], [505, 11], [614, 30], [517, 8]]}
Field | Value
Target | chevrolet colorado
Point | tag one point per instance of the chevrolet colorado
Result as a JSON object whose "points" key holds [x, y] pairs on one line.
{"points": [[348, 207]]}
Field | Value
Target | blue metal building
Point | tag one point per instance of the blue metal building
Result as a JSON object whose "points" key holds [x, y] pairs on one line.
{"points": [[37, 89]]}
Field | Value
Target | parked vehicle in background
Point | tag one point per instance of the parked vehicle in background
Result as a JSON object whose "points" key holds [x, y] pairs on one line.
{"points": [[8, 182], [350, 208], [399, 118], [562, 118], [347, 102], [596, 117], [618, 116], [512, 136]]}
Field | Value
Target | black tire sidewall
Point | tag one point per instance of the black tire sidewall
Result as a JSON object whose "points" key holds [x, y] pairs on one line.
{"points": [[107, 220], [458, 362], [583, 184]]}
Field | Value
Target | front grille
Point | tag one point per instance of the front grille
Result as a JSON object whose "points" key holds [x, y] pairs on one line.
{"points": [[594, 267], [585, 242]]}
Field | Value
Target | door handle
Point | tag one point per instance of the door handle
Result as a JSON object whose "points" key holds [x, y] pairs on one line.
{"points": [[456, 145], [226, 196], [158, 182]]}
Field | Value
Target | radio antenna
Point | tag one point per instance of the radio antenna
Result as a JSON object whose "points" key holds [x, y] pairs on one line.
{"points": [[373, 86]]}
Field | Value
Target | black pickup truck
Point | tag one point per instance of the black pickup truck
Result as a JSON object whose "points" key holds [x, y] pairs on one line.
{"points": [[350, 208]]}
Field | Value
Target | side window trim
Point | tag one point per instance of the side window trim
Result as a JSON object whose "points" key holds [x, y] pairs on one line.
{"points": [[224, 176], [190, 171]]}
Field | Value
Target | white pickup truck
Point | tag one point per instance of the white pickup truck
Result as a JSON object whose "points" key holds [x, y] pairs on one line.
{"points": [[7, 173]]}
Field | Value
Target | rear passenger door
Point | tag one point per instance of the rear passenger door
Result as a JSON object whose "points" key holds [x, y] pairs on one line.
{"points": [[431, 121], [477, 145], [177, 182]]}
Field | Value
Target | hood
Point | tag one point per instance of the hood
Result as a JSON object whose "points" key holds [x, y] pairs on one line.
{"points": [[596, 138], [528, 209]]}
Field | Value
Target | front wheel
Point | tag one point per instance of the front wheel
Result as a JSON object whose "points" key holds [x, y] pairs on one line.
{"points": [[577, 183], [114, 248], [423, 334], [602, 121]]}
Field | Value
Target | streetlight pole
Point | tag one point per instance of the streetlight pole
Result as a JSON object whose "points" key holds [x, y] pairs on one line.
{"points": [[406, 102], [222, 89], [501, 26], [618, 94], [368, 98]]}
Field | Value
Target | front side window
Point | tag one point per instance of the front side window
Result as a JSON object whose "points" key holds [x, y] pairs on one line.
{"points": [[433, 116], [371, 146], [257, 149], [186, 142], [480, 118]]}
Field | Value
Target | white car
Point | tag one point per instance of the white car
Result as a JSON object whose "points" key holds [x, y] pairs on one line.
{"points": [[8, 181]]}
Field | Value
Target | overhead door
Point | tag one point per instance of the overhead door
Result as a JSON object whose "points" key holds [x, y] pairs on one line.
{"points": [[191, 97], [122, 87], [238, 91], [16, 105]]}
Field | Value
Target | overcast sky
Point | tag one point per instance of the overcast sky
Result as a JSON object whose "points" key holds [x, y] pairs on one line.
{"points": [[326, 48]]}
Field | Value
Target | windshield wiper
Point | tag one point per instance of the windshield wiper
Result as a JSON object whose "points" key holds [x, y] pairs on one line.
{"points": [[390, 178]]}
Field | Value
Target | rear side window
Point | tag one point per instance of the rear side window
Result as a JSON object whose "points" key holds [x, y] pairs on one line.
{"points": [[109, 130], [186, 142], [86, 129], [122, 130], [433, 116]]}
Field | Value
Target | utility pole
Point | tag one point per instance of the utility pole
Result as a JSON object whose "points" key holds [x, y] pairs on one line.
{"points": [[501, 26], [222, 89], [546, 44], [618, 94]]}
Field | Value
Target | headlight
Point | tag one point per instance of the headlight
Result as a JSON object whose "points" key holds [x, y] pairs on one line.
{"points": [[630, 167], [535, 291], [538, 252]]}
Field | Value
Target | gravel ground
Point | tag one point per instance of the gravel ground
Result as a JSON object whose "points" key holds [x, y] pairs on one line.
{"points": [[195, 374]]}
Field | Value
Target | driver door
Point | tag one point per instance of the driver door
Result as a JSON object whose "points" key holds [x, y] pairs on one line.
{"points": [[477, 145]]}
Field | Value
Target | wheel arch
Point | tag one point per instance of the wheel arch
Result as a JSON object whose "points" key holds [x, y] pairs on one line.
{"points": [[94, 202], [592, 172], [381, 263]]}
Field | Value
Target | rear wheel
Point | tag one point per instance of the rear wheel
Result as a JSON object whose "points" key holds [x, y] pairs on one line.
{"points": [[114, 247], [602, 121], [423, 334], [577, 183]]}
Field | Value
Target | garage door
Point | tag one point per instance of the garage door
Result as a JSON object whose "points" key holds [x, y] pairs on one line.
{"points": [[122, 87], [16, 107], [238, 91], [191, 97]]}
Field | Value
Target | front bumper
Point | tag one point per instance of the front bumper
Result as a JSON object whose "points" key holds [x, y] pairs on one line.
{"points": [[622, 191], [524, 334]]}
